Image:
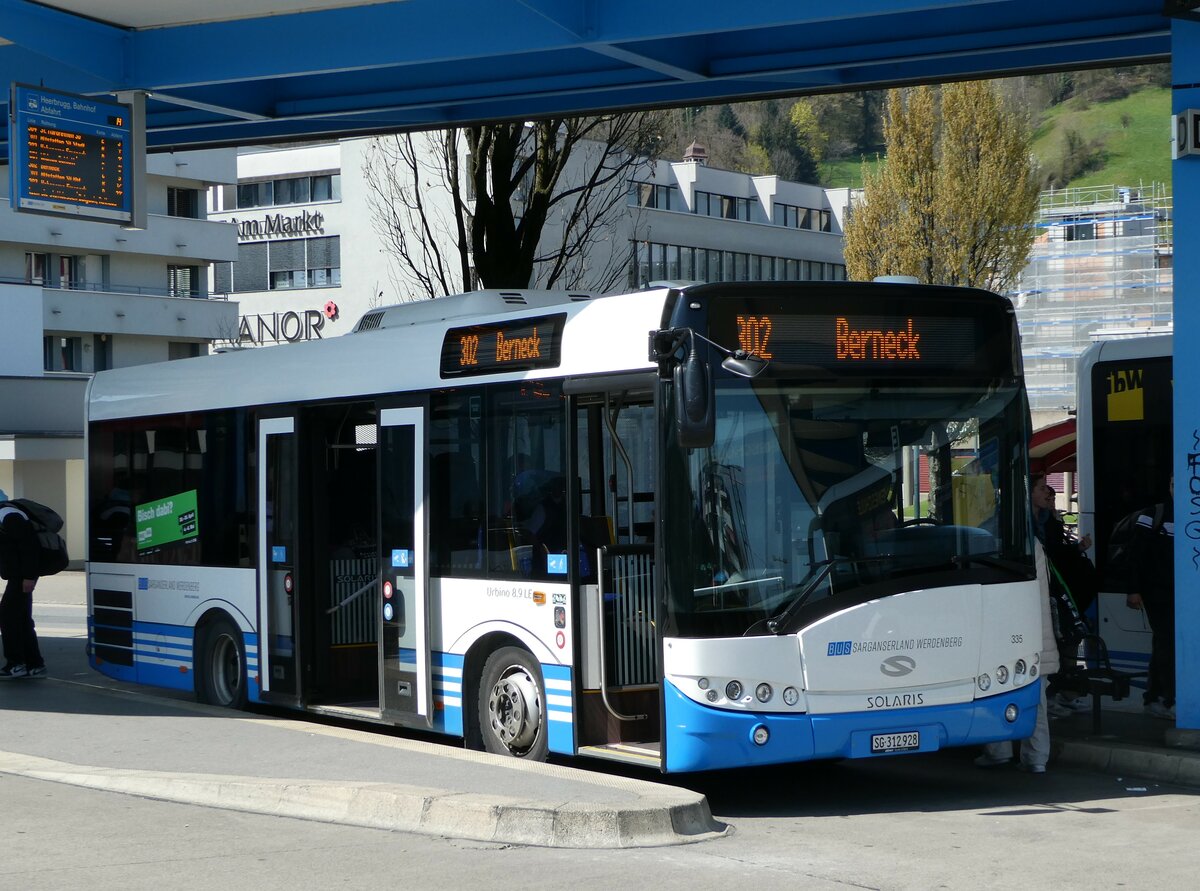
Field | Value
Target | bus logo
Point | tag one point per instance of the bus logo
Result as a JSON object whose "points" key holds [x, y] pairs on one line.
{"points": [[839, 648], [897, 666], [1126, 395]]}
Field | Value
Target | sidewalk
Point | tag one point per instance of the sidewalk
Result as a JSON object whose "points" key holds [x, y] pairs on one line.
{"points": [[1128, 743], [68, 729]]}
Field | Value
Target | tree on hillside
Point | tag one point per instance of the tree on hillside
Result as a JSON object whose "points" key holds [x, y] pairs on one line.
{"points": [[955, 199], [509, 205]]}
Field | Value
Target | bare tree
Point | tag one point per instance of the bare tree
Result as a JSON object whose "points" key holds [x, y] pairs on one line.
{"points": [[500, 206], [418, 212]]}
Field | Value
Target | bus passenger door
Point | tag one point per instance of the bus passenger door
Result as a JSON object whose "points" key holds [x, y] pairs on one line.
{"points": [[278, 480], [405, 688], [614, 498]]}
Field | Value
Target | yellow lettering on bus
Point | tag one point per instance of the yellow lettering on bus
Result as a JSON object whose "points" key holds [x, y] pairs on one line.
{"points": [[867, 344], [753, 334]]}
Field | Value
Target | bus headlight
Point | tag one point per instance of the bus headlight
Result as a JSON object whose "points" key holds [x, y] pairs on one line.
{"points": [[702, 683], [733, 691], [984, 681], [1033, 671], [712, 696], [791, 695], [763, 692], [760, 734], [1002, 675], [1019, 670], [1011, 712]]}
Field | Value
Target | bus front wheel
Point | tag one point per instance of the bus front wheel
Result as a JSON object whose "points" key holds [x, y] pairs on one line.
{"points": [[512, 705], [222, 669]]}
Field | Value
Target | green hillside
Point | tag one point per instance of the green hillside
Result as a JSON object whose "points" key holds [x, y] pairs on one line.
{"points": [[1080, 144], [1128, 141]]}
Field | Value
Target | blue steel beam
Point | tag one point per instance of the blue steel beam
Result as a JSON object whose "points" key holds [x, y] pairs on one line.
{"points": [[430, 62], [423, 32], [57, 39]]}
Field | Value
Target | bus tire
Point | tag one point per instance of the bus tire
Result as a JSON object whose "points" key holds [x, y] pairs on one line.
{"points": [[222, 669], [512, 705]]}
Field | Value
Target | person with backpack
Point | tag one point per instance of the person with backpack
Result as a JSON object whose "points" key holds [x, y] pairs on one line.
{"points": [[1152, 588], [20, 555]]}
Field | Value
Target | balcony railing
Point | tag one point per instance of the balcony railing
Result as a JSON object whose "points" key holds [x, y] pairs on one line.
{"points": [[116, 289]]}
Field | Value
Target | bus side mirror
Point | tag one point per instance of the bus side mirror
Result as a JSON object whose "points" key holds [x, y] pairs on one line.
{"points": [[695, 423]]}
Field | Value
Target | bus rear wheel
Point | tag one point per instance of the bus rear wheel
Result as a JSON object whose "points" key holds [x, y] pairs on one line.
{"points": [[512, 705], [222, 669]]}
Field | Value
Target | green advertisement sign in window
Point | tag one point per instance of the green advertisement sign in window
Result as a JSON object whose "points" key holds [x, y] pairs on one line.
{"points": [[167, 521]]}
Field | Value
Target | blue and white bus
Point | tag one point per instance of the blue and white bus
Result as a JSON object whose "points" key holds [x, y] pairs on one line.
{"points": [[1124, 451], [693, 527]]}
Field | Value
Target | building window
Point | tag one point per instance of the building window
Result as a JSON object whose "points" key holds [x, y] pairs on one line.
{"points": [[654, 262], [281, 266], [37, 267], [655, 196], [182, 349], [290, 190], [183, 203], [101, 352], [62, 353], [255, 194], [69, 271], [183, 281]]}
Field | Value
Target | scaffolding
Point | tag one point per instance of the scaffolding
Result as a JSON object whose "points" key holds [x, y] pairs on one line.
{"points": [[1100, 266]]}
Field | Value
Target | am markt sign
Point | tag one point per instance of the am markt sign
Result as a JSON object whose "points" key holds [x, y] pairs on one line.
{"points": [[277, 224]]}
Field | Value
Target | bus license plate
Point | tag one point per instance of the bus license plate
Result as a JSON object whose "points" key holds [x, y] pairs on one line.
{"points": [[895, 742]]}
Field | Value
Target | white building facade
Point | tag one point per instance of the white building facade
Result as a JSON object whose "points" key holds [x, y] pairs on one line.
{"points": [[311, 260], [82, 296]]}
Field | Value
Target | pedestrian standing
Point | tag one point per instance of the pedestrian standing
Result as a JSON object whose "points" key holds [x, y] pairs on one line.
{"points": [[1034, 751], [1153, 590], [19, 557]]}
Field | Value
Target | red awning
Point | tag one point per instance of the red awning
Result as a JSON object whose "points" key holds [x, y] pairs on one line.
{"points": [[1052, 449]]}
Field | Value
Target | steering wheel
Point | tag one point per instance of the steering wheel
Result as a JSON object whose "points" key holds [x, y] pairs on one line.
{"points": [[920, 521]]}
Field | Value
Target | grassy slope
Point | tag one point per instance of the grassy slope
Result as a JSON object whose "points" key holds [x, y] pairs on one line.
{"points": [[1135, 153], [845, 173]]}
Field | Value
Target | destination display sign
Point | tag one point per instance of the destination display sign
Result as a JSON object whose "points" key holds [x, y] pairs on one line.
{"points": [[851, 339], [497, 347], [70, 155]]}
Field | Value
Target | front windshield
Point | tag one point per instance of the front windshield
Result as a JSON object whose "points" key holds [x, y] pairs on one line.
{"points": [[833, 494]]}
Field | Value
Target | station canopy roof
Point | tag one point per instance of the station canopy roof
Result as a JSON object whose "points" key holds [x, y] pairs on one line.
{"points": [[227, 72]]}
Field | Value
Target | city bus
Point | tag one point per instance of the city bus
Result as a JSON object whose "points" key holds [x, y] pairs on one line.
{"points": [[1124, 452], [694, 527]]}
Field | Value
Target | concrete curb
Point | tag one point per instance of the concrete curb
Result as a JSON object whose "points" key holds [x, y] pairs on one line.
{"points": [[1123, 759], [669, 816]]}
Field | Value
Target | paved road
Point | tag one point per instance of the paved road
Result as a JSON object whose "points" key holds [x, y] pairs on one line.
{"points": [[911, 822]]}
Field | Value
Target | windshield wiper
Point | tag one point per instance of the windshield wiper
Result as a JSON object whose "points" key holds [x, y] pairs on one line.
{"points": [[965, 561], [817, 574]]}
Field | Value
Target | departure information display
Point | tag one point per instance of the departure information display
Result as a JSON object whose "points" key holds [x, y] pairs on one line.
{"points": [[70, 155]]}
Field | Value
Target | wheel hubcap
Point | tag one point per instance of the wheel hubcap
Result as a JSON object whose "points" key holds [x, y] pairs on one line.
{"points": [[515, 709], [227, 669]]}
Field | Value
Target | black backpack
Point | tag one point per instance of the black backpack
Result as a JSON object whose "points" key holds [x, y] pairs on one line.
{"points": [[1118, 569], [46, 523]]}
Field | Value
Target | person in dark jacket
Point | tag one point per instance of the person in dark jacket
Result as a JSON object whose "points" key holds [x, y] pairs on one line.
{"points": [[1153, 590], [1073, 588], [19, 554]]}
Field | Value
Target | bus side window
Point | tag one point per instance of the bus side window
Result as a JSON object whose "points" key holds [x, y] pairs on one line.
{"points": [[526, 449]]}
